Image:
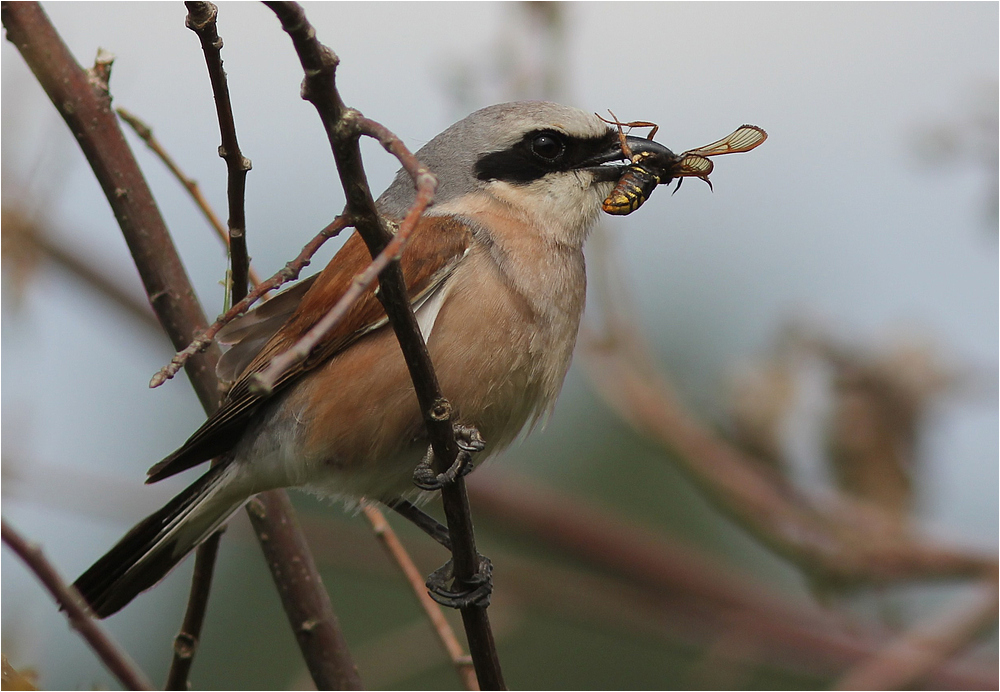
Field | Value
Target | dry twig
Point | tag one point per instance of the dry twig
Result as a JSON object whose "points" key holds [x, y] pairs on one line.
{"points": [[289, 272], [387, 537], [116, 660], [145, 133]]}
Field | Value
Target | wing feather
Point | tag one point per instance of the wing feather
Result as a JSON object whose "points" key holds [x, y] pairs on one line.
{"points": [[436, 247]]}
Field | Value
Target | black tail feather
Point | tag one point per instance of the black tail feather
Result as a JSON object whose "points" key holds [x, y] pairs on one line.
{"points": [[148, 552]]}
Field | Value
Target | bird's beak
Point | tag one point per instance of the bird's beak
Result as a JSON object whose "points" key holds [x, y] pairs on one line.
{"points": [[609, 165]]}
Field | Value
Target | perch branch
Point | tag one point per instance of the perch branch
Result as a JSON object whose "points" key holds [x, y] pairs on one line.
{"points": [[343, 128]]}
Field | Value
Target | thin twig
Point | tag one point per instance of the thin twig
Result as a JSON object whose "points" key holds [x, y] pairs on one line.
{"points": [[344, 127], [289, 272], [905, 661], [116, 660], [187, 639], [84, 102], [145, 133], [201, 19], [264, 380], [446, 635]]}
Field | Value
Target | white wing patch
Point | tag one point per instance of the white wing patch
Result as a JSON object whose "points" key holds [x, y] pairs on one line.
{"points": [[429, 308]]}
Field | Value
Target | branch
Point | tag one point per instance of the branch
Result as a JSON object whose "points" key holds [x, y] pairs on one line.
{"points": [[425, 184], [343, 128], [145, 133], [116, 660], [201, 19], [290, 272], [387, 537], [187, 639], [906, 661], [84, 102], [302, 593]]}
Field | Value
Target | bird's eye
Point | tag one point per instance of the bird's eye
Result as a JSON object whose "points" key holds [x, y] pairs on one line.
{"points": [[548, 146]]}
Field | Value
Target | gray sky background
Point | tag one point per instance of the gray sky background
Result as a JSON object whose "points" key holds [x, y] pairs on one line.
{"points": [[836, 218]]}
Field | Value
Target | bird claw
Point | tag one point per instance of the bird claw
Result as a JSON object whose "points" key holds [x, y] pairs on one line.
{"points": [[469, 442], [475, 591]]}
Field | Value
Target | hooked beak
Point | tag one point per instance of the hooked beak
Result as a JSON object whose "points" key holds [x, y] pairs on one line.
{"points": [[608, 165]]}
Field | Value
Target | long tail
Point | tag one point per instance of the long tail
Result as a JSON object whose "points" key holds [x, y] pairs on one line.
{"points": [[159, 542]]}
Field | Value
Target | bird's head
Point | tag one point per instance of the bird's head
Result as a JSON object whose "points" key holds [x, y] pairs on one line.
{"points": [[550, 162]]}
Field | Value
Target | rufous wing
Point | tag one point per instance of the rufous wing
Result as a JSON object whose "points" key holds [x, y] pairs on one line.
{"points": [[437, 245]]}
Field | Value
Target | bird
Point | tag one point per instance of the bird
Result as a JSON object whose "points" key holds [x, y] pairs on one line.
{"points": [[496, 276]]}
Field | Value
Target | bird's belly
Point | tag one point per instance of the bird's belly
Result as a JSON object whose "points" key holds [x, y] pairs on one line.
{"points": [[353, 427]]}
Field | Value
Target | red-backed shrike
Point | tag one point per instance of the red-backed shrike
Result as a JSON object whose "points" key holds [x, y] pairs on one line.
{"points": [[496, 275]]}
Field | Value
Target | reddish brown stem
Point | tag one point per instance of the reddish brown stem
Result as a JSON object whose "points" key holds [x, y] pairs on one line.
{"points": [[116, 660], [446, 635], [289, 272]]}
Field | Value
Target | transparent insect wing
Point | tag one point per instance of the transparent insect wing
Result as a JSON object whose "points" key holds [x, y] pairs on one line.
{"points": [[745, 138], [695, 165]]}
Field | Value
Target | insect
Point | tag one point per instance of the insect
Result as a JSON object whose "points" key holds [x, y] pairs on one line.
{"points": [[696, 164], [649, 169], [633, 189], [646, 171]]}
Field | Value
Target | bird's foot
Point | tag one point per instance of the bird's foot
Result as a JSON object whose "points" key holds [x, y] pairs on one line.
{"points": [[469, 442], [444, 588]]}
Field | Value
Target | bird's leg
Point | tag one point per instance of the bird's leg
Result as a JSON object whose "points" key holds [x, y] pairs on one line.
{"points": [[422, 520], [469, 441], [442, 584], [474, 591]]}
